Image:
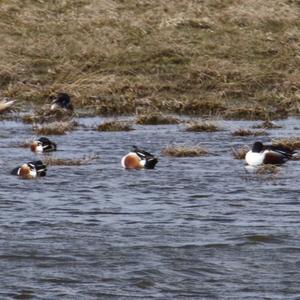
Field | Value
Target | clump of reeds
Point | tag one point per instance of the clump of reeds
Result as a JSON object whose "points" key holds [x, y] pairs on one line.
{"points": [[156, 119], [267, 125], [202, 127], [267, 169], [240, 153], [293, 142], [46, 115], [52, 161], [115, 126], [248, 132], [54, 128], [184, 151]]}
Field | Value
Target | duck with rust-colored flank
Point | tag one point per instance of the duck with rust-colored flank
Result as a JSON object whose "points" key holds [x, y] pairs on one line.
{"points": [[62, 101], [30, 170], [268, 154], [138, 159], [43, 144]]}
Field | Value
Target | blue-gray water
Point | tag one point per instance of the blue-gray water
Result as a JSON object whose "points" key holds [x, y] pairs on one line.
{"points": [[193, 228]]}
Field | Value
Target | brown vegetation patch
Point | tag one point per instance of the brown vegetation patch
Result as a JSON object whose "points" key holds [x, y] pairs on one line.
{"points": [[240, 153], [115, 126], [267, 125], [157, 119], [202, 127], [45, 115], [52, 161], [184, 151], [292, 142], [248, 132], [267, 169], [54, 128]]}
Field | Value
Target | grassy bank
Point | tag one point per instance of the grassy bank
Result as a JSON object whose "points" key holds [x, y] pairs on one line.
{"points": [[233, 58]]}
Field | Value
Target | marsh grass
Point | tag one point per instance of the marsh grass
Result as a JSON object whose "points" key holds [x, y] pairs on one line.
{"points": [[267, 170], [46, 115], [52, 161], [248, 132], [267, 125], [240, 153], [115, 126], [156, 119], [117, 57], [292, 142], [202, 127], [54, 128], [183, 151]]}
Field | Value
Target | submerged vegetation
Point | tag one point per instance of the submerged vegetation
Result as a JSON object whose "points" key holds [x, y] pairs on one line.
{"points": [[292, 142], [52, 161], [248, 132], [240, 153], [183, 151], [156, 119], [54, 128], [115, 126], [202, 127], [237, 59]]}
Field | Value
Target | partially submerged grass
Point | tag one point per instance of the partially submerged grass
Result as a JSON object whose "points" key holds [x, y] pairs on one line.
{"points": [[292, 142], [54, 128], [202, 127], [238, 59], [240, 153], [267, 170], [183, 151], [45, 115], [52, 161], [248, 132], [157, 119], [267, 125], [115, 126]]}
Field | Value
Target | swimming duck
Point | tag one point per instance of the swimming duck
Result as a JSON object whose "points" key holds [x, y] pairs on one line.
{"points": [[30, 170], [62, 101], [138, 158], [268, 154], [6, 104], [43, 144]]}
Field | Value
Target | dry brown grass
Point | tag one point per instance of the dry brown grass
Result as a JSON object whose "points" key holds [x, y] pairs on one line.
{"points": [[192, 57], [184, 151], [115, 126], [202, 127], [292, 142], [248, 132], [52, 161], [240, 153], [156, 119], [54, 128]]}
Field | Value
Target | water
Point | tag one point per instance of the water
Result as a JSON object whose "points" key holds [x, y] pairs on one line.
{"points": [[193, 228]]}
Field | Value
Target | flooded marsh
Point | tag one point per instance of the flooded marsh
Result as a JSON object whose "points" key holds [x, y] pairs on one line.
{"points": [[192, 228]]}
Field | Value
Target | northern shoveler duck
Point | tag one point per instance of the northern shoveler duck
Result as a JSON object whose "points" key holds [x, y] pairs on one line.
{"points": [[268, 154], [30, 170], [62, 101], [6, 104], [138, 158], [43, 144]]}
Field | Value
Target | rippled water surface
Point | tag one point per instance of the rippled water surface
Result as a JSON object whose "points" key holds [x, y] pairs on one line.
{"points": [[193, 228]]}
